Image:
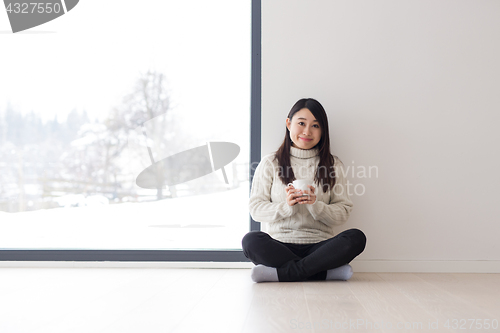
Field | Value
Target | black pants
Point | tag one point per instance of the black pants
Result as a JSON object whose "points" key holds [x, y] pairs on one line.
{"points": [[301, 262]]}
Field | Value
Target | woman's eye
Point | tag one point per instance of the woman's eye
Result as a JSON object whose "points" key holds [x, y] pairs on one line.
{"points": [[302, 123]]}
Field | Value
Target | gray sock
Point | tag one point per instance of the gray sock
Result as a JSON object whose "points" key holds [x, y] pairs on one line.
{"points": [[261, 273], [339, 273]]}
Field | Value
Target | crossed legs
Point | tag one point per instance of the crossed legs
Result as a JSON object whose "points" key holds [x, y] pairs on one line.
{"points": [[300, 262]]}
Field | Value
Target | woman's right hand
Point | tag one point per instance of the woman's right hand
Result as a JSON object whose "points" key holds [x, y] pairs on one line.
{"points": [[292, 195]]}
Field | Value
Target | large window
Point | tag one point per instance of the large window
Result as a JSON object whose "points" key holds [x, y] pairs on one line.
{"points": [[161, 89]]}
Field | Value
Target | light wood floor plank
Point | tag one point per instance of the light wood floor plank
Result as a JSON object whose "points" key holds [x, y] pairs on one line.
{"points": [[389, 309], [32, 298], [481, 290], [98, 313], [276, 307], [111, 300], [333, 307], [224, 308], [168, 305], [441, 304]]}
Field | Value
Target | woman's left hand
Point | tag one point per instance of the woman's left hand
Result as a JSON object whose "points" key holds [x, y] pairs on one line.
{"points": [[310, 198]]}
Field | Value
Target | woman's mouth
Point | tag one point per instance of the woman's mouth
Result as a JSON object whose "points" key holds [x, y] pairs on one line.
{"points": [[306, 139]]}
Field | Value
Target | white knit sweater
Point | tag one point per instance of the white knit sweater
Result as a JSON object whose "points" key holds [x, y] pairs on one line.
{"points": [[301, 223]]}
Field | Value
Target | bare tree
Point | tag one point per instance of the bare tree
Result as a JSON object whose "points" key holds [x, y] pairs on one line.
{"points": [[150, 99]]}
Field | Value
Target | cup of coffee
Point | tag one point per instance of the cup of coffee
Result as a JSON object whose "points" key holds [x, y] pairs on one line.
{"points": [[301, 184]]}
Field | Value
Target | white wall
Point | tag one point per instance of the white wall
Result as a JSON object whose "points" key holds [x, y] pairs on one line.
{"points": [[413, 88]]}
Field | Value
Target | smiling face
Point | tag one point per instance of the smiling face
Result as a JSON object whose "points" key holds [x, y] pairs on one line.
{"points": [[305, 131]]}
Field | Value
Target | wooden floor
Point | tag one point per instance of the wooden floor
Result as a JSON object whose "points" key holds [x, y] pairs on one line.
{"points": [[90, 300]]}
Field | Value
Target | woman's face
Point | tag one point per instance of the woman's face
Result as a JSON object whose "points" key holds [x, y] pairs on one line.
{"points": [[304, 129]]}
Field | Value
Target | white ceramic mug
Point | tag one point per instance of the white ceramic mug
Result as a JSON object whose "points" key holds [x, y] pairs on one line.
{"points": [[301, 184]]}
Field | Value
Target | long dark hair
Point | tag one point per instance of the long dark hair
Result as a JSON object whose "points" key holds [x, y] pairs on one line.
{"points": [[325, 173]]}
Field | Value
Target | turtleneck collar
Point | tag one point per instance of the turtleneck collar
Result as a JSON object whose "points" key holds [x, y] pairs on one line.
{"points": [[303, 153]]}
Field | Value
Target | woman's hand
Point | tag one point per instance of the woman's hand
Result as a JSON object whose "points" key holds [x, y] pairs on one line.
{"points": [[311, 198], [294, 196]]}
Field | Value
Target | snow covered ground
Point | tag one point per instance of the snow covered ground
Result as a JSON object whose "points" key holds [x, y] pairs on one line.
{"points": [[214, 221]]}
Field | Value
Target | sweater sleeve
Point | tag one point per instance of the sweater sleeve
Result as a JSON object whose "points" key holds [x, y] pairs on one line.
{"points": [[262, 209], [338, 210]]}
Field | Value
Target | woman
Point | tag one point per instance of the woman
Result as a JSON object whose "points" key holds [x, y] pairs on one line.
{"points": [[300, 244]]}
